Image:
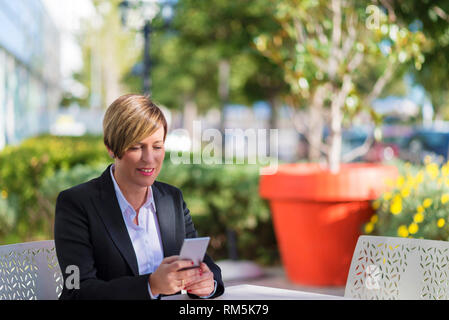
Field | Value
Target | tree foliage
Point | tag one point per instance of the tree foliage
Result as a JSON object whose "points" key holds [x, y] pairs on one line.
{"points": [[432, 17], [205, 33], [109, 52], [337, 57]]}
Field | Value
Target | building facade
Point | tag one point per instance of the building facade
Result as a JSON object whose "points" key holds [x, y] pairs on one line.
{"points": [[30, 78]]}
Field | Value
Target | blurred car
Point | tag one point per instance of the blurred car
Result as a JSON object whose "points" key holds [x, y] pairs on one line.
{"points": [[379, 151], [426, 142], [382, 151]]}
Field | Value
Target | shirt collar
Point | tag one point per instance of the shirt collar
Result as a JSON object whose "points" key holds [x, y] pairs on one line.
{"points": [[123, 203]]}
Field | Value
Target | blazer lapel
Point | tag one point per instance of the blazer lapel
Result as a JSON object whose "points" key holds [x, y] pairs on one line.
{"points": [[166, 218], [112, 217]]}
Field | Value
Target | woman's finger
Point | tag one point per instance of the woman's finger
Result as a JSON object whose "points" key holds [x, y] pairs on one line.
{"points": [[203, 280], [199, 286], [180, 264], [201, 293], [201, 289], [170, 259], [204, 267]]}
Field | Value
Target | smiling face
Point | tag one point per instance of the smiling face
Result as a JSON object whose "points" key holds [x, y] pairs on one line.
{"points": [[134, 131], [141, 163]]}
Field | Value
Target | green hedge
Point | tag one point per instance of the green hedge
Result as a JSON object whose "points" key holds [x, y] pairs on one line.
{"points": [[416, 204], [219, 197], [226, 196], [23, 169]]}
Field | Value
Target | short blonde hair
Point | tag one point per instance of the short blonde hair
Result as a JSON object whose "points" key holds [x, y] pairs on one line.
{"points": [[130, 119]]}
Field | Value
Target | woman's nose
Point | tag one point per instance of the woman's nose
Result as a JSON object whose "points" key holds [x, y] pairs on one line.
{"points": [[151, 156], [147, 155]]}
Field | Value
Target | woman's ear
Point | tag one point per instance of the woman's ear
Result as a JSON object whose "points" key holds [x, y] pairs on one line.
{"points": [[111, 154]]}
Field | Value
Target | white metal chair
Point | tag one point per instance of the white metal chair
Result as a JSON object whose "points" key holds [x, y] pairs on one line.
{"points": [[30, 271], [399, 268]]}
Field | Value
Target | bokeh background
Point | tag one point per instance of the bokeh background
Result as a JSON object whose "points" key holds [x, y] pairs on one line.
{"points": [[256, 64]]}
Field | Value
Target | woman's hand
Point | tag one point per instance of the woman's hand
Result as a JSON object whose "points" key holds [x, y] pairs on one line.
{"points": [[204, 285], [167, 279]]}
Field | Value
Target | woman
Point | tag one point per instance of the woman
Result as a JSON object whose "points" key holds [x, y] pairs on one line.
{"points": [[123, 230]]}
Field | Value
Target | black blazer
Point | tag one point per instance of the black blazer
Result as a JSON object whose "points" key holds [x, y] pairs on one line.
{"points": [[90, 233]]}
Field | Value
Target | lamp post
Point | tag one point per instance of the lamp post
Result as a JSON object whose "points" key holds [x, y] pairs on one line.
{"points": [[138, 15]]}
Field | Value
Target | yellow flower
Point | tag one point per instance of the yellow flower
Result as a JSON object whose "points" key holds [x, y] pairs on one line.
{"points": [[387, 196], [374, 218], [427, 202], [432, 170], [445, 198], [413, 228], [4, 194], [405, 192], [376, 204], [410, 181], [400, 181], [369, 227], [418, 217], [403, 231], [441, 222], [420, 209], [427, 159], [420, 176], [396, 205], [445, 170]]}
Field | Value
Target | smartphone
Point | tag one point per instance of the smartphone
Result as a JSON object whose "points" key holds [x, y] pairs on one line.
{"points": [[194, 249]]}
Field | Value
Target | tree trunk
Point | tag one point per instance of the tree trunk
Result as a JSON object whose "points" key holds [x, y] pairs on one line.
{"points": [[272, 124], [190, 114], [336, 138], [316, 125], [224, 73], [338, 101], [111, 72]]}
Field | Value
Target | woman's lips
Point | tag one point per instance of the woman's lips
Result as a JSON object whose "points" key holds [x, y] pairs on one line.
{"points": [[146, 172]]}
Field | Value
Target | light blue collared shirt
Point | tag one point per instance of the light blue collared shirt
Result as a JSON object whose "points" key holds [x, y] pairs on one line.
{"points": [[145, 237]]}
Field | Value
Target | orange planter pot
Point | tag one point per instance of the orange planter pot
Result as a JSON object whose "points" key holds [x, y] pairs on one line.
{"points": [[318, 216]]}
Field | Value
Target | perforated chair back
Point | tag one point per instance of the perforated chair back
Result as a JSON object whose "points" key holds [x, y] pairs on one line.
{"points": [[399, 268], [30, 271]]}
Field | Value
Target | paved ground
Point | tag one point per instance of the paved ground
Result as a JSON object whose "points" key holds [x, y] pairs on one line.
{"points": [[275, 277]]}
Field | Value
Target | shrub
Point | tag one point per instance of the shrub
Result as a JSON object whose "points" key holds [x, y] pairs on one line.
{"points": [[23, 169], [8, 212], [416, 207], [222, 197], [219, 197]]}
